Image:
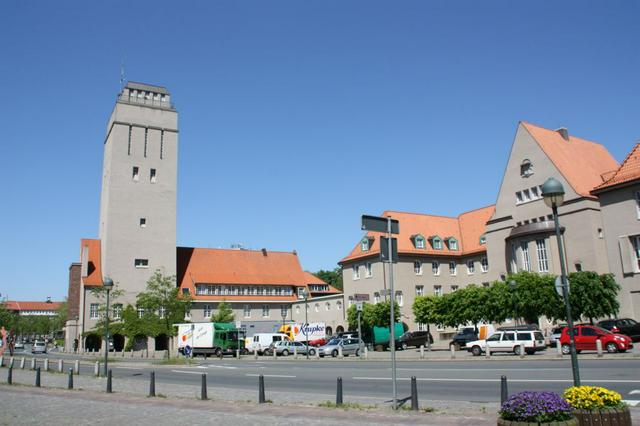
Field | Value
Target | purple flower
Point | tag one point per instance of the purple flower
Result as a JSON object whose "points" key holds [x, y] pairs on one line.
{"points": [[536, 407]]}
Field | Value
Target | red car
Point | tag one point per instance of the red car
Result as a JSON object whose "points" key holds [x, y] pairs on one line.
{"points": [[586, 336], [317, 342]]}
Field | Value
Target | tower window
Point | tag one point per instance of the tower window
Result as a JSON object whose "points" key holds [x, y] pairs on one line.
{"points": [[146, 137], [152, 175], [161, 144], [143, 222], [136, 173], [129, 143], [141, 263]]}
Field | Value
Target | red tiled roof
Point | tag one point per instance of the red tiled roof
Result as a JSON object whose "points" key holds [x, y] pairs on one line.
{"points": [[226, 266], [466, 228], [581, 162], [312, 279], [629, 171], [94, 270], [13, 305]]}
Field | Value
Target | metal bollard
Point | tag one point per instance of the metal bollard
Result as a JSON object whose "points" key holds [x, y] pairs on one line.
{"points": [[60, 366], [109, 381], [295, 352], [22, 363], [429, 344], [421, 351], [77, 367], [339, 392], [599, 347], [11, 362], [414, 393], [46, 364], [559, 349], [504, 393], [70, 382], [38, 377], [523, 352], [1, 360], [152, 383], [261, 398], [340, 352], [10, 376], [33, 363], [255, 353], [452, 348], [317, 354], [203, 387], [366, 352], [96, 369], [275, 354]]}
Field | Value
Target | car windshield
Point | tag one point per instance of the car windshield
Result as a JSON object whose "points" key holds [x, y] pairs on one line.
{"points": [[631, 322], [333, 342], [601, 330]]}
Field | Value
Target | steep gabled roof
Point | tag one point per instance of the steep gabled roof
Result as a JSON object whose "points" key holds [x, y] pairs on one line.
{"points": [[628, 171], [13, 305], [466, 228], [581, 162]]}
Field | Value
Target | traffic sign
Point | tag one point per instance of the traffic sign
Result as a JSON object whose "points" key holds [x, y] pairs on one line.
{"points": [[384, 249], [379, 224], [359, 306], [559, 286]]}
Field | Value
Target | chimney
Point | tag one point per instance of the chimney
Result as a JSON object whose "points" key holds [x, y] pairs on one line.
{"points": [[48, 299], [264, 251], [564, 133]]}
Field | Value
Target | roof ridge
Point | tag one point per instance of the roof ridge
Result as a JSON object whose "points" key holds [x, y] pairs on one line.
{"points": [[238, 250], [439, 215], [619, 169]]}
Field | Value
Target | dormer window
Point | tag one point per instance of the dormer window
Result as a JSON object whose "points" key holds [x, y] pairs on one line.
{"points": [[418, 241], [364, 244], [452, 243], [483, 240], [526, 168], [436, 242]]}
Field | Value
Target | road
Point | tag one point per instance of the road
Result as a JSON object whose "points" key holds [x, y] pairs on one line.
{"points": [[472, 381]]}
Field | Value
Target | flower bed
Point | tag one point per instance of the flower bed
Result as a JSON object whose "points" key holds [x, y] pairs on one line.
{"points": [[597, 406], [536, 408]]}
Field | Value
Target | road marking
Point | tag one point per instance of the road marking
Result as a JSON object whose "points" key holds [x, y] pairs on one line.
{"points": [[126, 368], [483, 369], [186, 372], [222, 366], [432, 379], [635, 391], [270, 375], [631, 402]]}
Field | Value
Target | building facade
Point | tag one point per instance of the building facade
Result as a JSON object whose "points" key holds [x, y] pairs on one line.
{"points": [[517, 233]]}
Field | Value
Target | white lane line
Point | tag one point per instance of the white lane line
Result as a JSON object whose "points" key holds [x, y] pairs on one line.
{"points": [[634, 392], [127, 368], [433, 379], [186, 372], [631, 402], [270, 375], [222, 366], [481, 369]]}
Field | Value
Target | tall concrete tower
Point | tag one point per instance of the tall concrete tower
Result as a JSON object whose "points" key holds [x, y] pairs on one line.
{"points": [[139, 186]]}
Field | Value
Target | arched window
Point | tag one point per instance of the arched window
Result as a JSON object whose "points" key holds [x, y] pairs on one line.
{"points": [[419, 241], [526, 168], [364, 244]]}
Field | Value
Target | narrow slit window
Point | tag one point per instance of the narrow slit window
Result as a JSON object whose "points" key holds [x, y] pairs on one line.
{"points": [[161, 144], [129, 143], [152, 175], [136, 173], [146, 137], [143, 222]]}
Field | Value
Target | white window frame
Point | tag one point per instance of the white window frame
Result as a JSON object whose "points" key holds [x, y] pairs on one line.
{"points": [[484, 264], [400, 298], [141, 263], [453, 271], [514, 259], [162, 312], [437, 290], [364, 244], [140, 312], [356, 272], [117, 311], [543, 258], [376, 298], [526, 259], [638, 205], [471, 267], [454, 288], [519, 199], [419, 290], [94, 311], [635, 243], [206, 311], [453, 244], [417, 267], [266, 311], [368, 270], [435, 267], [420, 242]]}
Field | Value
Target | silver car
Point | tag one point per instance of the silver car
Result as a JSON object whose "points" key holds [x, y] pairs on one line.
{"points": [[349, 346], [285, 347], [39, 346]]}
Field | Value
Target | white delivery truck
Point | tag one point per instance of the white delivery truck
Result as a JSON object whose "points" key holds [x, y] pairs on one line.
{"points": [[261, 341], [209, 338], [298, 332]]}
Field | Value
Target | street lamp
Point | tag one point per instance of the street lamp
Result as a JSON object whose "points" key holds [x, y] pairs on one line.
{"points": [[512, 286], [107, 284], [553, 194], [305, 295], [283, 314]]}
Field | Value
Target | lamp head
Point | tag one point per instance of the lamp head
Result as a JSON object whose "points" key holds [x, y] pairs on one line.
{"points": [[553, 192], [107, 283]]}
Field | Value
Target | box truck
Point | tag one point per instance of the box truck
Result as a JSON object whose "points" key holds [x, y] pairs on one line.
{"points": [[298, 332], [209, 338]]}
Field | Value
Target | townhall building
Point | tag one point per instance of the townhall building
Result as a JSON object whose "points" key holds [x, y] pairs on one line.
{"points": [[137, 236], [600, 221]]}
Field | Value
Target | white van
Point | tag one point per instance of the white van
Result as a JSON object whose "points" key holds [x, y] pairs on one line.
{"points": [[509, 341], [261, 341]]}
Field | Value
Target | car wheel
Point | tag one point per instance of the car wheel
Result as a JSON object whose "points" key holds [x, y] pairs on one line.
{"points": [[312, 352], [516, 350], [218, 352], [334, 353], [476, 351], [285, 352], [357, 352], [566, 349], [611, 348], [530, 351], [404, 346]]}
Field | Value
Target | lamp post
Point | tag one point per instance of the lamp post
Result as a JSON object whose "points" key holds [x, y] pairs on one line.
{"points": [[305, 296], [283, 314], [107, 284], [512, 286], [553, 194]]}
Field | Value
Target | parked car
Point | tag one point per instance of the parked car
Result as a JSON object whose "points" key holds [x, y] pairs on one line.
{"points": [[18, 345], [625, 326], [286, 347], [318, 342], [554, 337], [39, 346], [509, 341], [585, 337], [349, 346], [414, 338], [460, 340]]}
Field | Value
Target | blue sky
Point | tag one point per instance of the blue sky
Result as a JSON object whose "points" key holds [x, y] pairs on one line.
{"points": [[295, 117]]}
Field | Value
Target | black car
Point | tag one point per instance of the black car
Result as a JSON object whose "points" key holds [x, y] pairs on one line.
{"points": [[414, 338], [464, 336], [625, 326]]}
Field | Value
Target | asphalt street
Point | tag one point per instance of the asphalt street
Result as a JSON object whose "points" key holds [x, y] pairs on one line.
{"points": [[472, 381]]}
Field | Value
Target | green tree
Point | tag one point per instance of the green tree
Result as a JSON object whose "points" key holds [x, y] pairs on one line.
{"points": [[7, 318], [536, 296], [59, 321], [499, 302], [382, 313], [224, 314], [163, 303], [367, 317], [333, 278], [592, 295], [425, 310]]}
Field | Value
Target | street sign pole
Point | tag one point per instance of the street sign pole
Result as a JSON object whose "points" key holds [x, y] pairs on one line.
{"points": [[359, 308], [392, 343]]}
